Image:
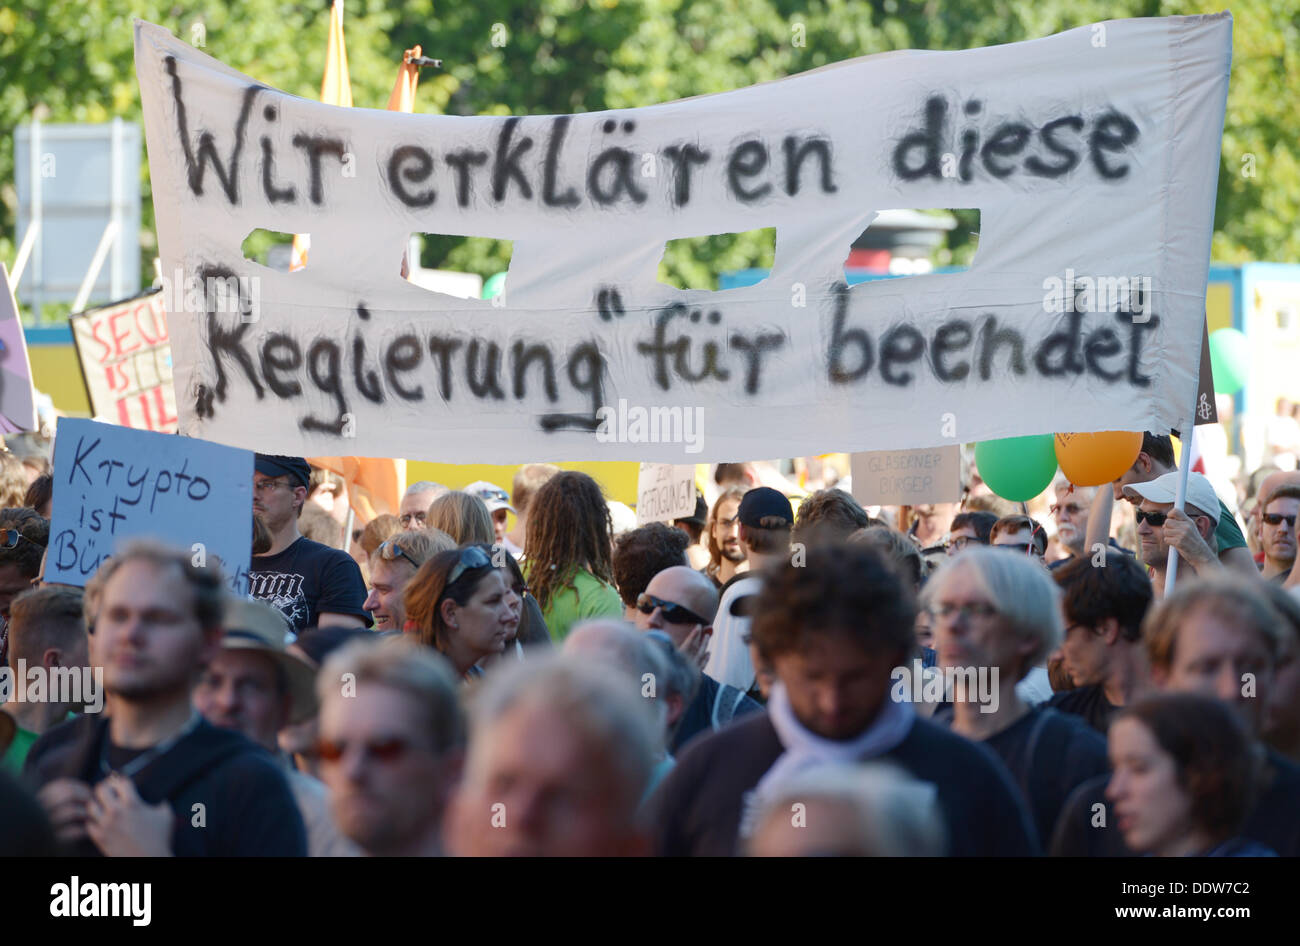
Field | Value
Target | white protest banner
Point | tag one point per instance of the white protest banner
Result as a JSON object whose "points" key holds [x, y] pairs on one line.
{"points": [[112, 483], [664, 492], [126, 359], [1093, 165], [907, 477], [17, 402]]}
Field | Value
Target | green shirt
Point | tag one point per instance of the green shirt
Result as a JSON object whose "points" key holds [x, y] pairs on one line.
{"points": [[1227, 533], [16, 755], [586, 596]]}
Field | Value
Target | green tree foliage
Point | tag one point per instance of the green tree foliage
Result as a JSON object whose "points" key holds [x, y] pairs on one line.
{"points": [[73, 59]]}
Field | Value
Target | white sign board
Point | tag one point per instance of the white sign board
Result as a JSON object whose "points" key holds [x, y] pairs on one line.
{"points": [[113, 483], [907, 477], [1090, 163], [664, 492]]}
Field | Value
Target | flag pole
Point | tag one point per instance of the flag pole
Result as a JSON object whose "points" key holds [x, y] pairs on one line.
{"points": [[1184, 468]]}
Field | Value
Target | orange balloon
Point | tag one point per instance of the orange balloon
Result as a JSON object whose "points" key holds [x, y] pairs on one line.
{"points": [[1097, 459]]}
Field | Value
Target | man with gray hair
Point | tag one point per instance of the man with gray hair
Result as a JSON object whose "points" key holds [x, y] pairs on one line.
{"points": [[560, 757], [416, 501], [391, 739], [871, 810]]}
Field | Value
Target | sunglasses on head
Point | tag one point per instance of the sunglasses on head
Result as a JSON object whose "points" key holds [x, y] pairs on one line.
{"points": [[499, 495], [1276, 518], [673, 613], [390, 551], [470, 557], [382, 750], [9, 538]]}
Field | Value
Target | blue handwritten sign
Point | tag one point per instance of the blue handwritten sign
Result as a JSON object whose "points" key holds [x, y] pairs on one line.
{"points": [[114, 483]]}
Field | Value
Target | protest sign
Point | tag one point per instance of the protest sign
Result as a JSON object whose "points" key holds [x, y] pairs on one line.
{"points": [[17, 403], [907, 477], [664, 492], [126, 359], [112, 483], [1092, 155]]}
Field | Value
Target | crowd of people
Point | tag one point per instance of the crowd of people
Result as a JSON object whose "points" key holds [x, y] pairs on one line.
{"points": [[493, 672]]}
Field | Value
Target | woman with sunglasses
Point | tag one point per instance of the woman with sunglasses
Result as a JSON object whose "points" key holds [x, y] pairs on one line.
{"points": [[463, 606], [1185, 773]]}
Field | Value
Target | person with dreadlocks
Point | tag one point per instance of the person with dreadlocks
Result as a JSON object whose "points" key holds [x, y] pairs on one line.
{"points": [[569, 553]]}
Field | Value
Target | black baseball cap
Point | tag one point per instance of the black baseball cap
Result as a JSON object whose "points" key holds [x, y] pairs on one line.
{"points": [[295, 468], [701, 516], [761, 503]]}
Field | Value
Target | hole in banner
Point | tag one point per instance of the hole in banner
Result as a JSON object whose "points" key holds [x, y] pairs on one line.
{"points": [[697, 262], [913, 243], [457, 266], [276, 250]]}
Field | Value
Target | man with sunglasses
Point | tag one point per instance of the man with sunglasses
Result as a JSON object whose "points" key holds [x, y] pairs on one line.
{"points": [[311, 584], [391, 740], [392, 567], [1161, 527], [1277, 532], [683, 603]]}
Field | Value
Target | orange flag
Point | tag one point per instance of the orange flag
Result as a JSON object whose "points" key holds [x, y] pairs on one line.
{"points": [[375, 484], [408, 78], [335, 89]]}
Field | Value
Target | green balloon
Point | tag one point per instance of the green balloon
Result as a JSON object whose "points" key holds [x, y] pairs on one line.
{"points": [[1229, 359], [1017, 468], [494, 285]]}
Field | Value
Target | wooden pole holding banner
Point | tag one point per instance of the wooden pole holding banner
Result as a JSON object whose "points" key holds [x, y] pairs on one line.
{"points": [[1184, 468]]}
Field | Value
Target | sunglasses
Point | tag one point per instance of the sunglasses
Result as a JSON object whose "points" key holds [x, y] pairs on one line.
{"points": [[471, 557], [499, 495], [673, 613], [11, 537], [1276, 519], [390, 551], [382, 750]]}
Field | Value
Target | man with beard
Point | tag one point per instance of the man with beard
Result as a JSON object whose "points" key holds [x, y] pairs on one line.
{"points": [[154, 778], [725, 554], [1070, 512], [311, 584]]}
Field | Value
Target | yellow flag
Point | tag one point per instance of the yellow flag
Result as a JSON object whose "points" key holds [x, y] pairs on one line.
{"points": [[335, 89], [408, 78]]}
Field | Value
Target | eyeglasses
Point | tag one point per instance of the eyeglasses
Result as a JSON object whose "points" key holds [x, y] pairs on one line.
{"points": [[269, 486], [1276, 519], [11, 537], [470, 557], [673, 613], [974, 609], [382, 750], [406, 518], [957, 543], [1074, 509], [390, 551]]}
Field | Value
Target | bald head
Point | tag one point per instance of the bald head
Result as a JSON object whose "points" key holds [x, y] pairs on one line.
{"points": [[612, 641], [686, 588]]}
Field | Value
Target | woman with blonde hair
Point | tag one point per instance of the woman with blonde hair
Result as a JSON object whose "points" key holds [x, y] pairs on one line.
{"points": [[463, 517]]}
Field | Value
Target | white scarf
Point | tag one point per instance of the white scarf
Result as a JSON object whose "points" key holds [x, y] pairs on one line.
{"points": [[805, 749]]}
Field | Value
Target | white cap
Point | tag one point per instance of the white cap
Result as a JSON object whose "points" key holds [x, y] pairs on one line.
{"points": [[1164, 489], [493, 496]]}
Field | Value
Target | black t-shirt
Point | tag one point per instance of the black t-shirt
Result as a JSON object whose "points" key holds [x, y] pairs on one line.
{"points": [[309, 579], [1049, 754], [1088, 702]]}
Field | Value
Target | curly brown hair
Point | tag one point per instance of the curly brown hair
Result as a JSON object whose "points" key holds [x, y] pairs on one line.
{"points": [[1215, 758], [644, 552], [838, 589], [828, 515], [568, 529]]}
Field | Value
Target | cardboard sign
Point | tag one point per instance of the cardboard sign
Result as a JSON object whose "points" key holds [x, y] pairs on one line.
{"points": [[126, 359], [664, 492], [112, 483], [1078, 154], [907, 477]]}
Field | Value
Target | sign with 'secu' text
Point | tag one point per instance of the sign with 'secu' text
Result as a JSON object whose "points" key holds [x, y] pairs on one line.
{"points": [[1092, 156], [664, 492], [126, 359], [112, 483]]}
